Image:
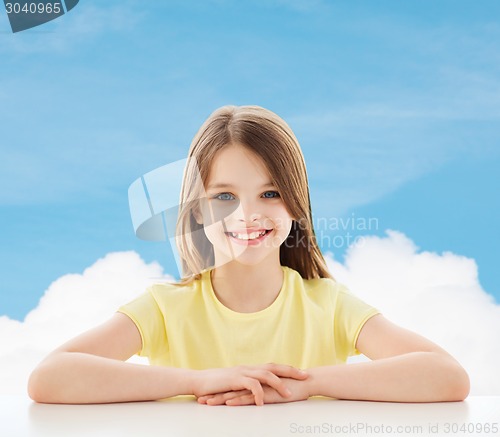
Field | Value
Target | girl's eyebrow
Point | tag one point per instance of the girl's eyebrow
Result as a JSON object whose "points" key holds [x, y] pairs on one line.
{"points": [[225, 185]]}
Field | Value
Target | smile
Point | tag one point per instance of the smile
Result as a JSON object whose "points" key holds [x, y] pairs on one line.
{"points": [[253, 236]]}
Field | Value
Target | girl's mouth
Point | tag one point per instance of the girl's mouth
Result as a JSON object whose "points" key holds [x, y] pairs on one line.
{"points": [[251, 238]]}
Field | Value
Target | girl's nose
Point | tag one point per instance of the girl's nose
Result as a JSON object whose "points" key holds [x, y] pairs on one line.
{"points": [[247, 211]]}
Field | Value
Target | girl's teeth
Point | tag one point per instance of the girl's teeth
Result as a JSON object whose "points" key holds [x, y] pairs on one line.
{"points": [[251, 236]]}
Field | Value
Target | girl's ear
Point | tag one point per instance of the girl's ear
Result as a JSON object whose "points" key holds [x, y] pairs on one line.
{"points": [[197, 215]]}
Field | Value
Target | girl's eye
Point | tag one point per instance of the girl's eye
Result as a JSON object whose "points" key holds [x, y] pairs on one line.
{"points": [[271, 194], [229, 196], [224, 196]]}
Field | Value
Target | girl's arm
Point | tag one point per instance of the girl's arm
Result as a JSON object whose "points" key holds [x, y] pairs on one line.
{"points": [[91, 369], [406, 367]]}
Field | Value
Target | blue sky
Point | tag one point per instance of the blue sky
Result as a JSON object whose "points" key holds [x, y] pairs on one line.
{"points": [[396, 105]]}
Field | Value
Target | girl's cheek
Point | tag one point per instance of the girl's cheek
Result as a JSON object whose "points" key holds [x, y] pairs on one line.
{"points": [[214, 232], [278, 212], [276, 241]]}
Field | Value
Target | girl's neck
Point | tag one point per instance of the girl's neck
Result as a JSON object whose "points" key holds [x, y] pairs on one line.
{"points": [[247, 288]]}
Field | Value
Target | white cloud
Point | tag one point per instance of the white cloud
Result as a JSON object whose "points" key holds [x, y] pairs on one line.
{"points": [[438, 296], [71, 305]]}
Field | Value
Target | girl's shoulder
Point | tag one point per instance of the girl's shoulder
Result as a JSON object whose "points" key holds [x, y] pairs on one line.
{"points": [[160, 297], [334, 296], [174, 287], [325, 286], [295, 276]]}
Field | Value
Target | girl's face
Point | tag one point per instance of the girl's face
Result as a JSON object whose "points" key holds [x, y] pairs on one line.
{"points": [[244, 216]]}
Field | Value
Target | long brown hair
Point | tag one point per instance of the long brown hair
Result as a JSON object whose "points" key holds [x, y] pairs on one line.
{"points": [[270, 138]]}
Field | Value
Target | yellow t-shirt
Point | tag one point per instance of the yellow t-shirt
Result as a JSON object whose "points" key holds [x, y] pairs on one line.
{"points": [[312, 322]]}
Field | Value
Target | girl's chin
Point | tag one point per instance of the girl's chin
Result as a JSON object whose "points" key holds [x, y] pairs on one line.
{"points": [[245, 255]]}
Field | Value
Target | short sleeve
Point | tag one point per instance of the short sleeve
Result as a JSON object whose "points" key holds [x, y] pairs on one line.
{"points": [[351, 313], [148, 318]]}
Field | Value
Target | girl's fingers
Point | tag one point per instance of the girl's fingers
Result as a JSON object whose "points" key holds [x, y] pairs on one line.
{"points": [[250, 381], [204, 399], [256, 388], [241, 400], [286, 371], [269, 378], [221, 398]]}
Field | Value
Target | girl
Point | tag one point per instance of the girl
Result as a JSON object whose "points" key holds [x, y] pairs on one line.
{"points": [[255, 290]]}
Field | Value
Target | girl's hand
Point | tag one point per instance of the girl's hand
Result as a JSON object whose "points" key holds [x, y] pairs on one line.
{"points": [[299, 389], [246, 379]]}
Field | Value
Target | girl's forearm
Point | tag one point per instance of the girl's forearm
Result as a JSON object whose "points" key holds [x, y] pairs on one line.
{"points": [[79, 378], [412, 377]]}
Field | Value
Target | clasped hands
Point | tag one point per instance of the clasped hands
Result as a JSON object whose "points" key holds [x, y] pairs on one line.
{"points": [[247, 385]]}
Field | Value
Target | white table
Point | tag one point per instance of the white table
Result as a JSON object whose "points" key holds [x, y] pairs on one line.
{"points": [[19, 416]]}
